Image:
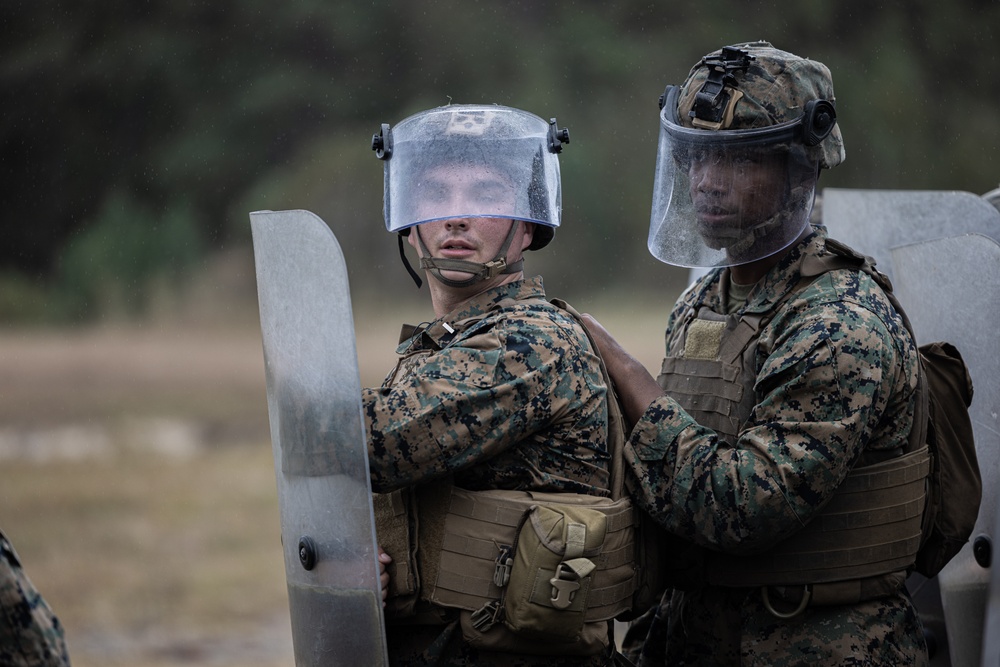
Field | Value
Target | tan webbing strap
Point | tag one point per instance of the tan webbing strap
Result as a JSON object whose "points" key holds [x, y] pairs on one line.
{"points": [[703, 389], [608, 602], [892, 472], [469, 585], [622, 520], [851, 592], [680, 365], [736, 342], [613, 558], [869, 528], [576, 540], [475, 547], [484, 509]]}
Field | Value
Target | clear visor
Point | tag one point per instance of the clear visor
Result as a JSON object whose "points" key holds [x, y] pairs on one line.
{"points": [[471, 162], [724, 198]]}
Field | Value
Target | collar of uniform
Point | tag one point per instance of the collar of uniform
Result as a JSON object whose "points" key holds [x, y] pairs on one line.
{"points": [[785, 275], [442, 331]]}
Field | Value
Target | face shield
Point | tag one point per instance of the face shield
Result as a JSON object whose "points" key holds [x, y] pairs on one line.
{"points": [[471, 161], [730, 197]]}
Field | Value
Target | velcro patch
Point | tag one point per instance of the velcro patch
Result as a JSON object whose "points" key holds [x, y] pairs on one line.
{"points": [[703, 339]]}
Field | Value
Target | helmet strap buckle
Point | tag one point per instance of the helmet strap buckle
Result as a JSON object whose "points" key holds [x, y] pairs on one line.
{"points": [[494, 267]]}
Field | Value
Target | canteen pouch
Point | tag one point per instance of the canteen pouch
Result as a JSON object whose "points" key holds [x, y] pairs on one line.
{"points": [[554, 558]]}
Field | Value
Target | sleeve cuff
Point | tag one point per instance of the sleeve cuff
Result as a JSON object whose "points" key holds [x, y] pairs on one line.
{"points": [[660, 425]]}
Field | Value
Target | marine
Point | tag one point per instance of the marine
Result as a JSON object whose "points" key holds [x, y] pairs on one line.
{"points": [[789, 381], [494, 408]]}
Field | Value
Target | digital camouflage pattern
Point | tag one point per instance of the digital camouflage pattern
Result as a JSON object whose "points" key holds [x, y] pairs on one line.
{"points": [[503, 393], [513, 398], [836, 373], [775, 88], [30, 634]]}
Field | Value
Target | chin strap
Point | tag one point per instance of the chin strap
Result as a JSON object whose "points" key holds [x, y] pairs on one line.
{"points": [[495, 267], [406, 262]]}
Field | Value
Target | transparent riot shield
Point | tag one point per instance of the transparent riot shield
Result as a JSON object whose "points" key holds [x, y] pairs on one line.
{"points": [[875, 221], [950, 288], [317, 434], [991, 628]]}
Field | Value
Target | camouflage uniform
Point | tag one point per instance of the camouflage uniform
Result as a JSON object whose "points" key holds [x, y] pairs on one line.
{"points": [[835, 378], [504, 393], [30, 634]]}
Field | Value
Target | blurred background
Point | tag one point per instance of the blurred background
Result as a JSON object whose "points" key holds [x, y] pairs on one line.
{"points": [[136, 478]]}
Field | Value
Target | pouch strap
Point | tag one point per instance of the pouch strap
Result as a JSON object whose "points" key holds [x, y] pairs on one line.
{"points": [[576, 540]]}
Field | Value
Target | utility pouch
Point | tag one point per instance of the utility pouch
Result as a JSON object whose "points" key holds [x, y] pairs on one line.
{"points": [[551, 578], [483, 567]]}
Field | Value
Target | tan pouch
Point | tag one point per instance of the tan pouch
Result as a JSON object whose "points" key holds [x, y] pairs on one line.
{"points": [[551, 577], [545, 602], [478, 556]]}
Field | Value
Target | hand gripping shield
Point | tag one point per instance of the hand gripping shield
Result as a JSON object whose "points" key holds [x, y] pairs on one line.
{"points": [[318, 438]]}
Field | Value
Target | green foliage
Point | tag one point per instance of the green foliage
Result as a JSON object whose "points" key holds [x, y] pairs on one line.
{"points": [[23, 300], [112, 266]]}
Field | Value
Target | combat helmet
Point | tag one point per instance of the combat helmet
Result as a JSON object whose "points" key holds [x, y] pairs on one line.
{"points": [[749, 107], [516, 148]]}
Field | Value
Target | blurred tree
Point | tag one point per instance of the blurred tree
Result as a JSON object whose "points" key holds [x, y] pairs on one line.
{"points": [[213, 109]]}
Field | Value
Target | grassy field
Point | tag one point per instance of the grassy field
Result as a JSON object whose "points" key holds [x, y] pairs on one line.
{"points": [[137, 484]]}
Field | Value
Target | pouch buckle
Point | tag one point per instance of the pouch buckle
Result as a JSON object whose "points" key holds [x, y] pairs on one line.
{"points": [[564, 587], [501, 569], [486, 616]]}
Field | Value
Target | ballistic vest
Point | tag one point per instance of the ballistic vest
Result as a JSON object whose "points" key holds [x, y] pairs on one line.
{"points": [[861, 544], [526, 571]]}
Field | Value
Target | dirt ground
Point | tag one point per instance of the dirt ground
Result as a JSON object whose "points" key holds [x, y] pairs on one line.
{"points": [[137, 484]]}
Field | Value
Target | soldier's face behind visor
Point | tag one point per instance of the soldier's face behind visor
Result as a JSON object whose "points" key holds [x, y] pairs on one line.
{"points": [[455, 190], [733, 191]]}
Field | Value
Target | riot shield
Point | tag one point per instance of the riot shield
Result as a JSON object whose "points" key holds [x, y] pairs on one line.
{"points": [[875, 221], [991, 629], [950, 288], [317, 434]]}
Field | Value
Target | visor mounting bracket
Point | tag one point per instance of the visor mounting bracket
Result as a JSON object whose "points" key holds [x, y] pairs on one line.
{"points": [[714, 100], [382, 142], [557, 137]]}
